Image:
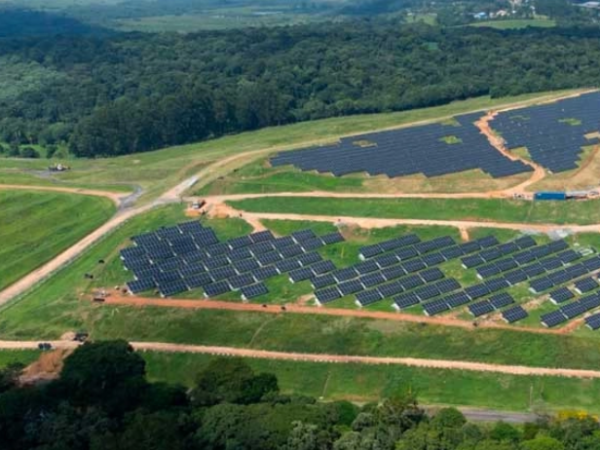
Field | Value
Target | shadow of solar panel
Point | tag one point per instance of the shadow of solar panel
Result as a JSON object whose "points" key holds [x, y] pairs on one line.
{"points": [[197, 281], [141, 285], [328, 294], [586, 285], [171, 288], [435, 307], [514, 314], [501, 300], [480, 308], [254, 291], [216, 289], [366, 298], [553, 319], [264, 273], [593, 321], [406, 300]]}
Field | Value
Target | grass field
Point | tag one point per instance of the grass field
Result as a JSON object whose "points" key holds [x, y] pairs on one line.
{"points": [[582, 213], [17, 356], [157, 171], [370, 383], [34, 227], [516, 24]]}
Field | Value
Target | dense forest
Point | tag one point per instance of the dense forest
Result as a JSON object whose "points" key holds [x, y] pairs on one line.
{"points": [[124, 93], [103, 401]]}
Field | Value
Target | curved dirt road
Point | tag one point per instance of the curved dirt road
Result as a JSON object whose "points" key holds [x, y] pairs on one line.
{"points": [[326, 358]]}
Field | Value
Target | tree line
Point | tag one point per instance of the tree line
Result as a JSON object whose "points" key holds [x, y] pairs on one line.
{"points": [[111, 95], [103, 401]]}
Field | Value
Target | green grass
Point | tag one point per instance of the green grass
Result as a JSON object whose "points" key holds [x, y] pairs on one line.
{"points": [[518, 211], [370, 383], [26, 357], [516, 24], [158, 170], [36, 226]]}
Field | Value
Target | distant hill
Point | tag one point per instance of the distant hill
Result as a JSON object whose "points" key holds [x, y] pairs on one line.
{"points": [[15, 22]]}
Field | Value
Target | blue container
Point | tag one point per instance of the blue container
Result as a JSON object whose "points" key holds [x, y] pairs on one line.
{"points": [[550, 196]]}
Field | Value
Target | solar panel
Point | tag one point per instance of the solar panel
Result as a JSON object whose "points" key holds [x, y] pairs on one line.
{"points": [[190, 227], [291, 251], [385, 260], [533, 270], [514, 314], [435, 307], [406, 253], [553, 319], [246, 265], [432, 274], [457, 299], [216, 289], [413, 265], [477, 291], [345, 274], [244, 279], [372, 279], [322, 281], [350, 287], [303, 235], [217, 249], [311, 245], [172, 288], [390, 289], [287, 265], [215, 262], [307, 259], [593, 321], [516, 277], [332, 238], [302, 274], [525, 242], [222, 273], [268, 258], [447, 285], [411, 282], [393, 272], [407, 300], [197, 281], [137, 286], [328, 294], [573, 309], [433, 259], [585, 285], [561, 295], [451, 252], [501, 300], [481, 308], [254, 291], [369, 251], [427, 292], [366, 298], [541, 285], [239, 254], [367, 267], [264, 273], [323, 267], [262, 236], [469, 262], [497, 284]]}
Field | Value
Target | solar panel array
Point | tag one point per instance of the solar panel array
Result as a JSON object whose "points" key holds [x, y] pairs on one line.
{"points": [[548, 131], [571, 310], [422, 149], [563, 276], [189, 256]]}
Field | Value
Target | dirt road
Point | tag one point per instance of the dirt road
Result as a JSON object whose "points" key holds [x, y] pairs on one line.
{"points": [[326, 311], [326, 358], [116, 197]]}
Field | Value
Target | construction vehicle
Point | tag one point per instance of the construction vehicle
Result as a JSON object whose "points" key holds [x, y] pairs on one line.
{"points": [[58, 167]]}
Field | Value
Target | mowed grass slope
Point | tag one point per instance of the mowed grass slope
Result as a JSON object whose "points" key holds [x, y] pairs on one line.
{"points": [[362, 382], [36, 226], [519, 211]]}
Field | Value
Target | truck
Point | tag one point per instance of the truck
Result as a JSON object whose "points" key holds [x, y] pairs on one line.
{"points": [[550, 196]]}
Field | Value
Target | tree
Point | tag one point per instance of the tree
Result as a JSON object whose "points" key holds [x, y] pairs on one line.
{"points": [[448, 418], [543, 443], [108, 373], [29, 152], [9, 376], [231, 380], [504, 432]]}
